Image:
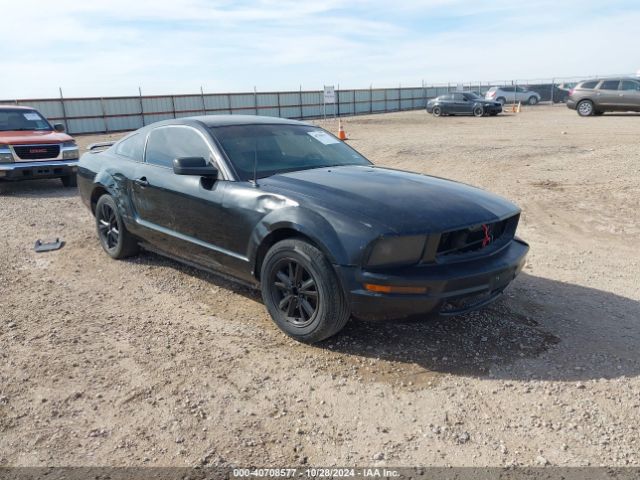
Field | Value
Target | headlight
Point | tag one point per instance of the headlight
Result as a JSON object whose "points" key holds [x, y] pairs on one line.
{"points": [[396, 251], [70, 150], [5, 155], [70, 154]]}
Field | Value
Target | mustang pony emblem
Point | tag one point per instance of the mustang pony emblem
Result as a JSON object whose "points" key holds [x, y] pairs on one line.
{"points": [[487, 235]]}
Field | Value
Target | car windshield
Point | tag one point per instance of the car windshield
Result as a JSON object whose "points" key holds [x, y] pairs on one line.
{"points": [[282, 148], [22, 120]]}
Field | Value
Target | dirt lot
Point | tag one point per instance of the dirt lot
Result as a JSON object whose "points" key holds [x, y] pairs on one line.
{"points": [[147, 362]]}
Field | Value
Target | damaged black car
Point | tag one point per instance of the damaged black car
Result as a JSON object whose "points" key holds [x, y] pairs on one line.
{"points": [[288, 208]]}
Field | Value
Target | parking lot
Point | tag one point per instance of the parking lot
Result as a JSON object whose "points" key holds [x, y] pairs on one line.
{"points": [[146, 361]]}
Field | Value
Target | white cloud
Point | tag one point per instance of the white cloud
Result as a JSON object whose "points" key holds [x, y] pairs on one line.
{"points": [[175, 46]]}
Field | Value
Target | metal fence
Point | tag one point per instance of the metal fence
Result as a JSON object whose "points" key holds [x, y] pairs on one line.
{"points": [[116, 114]]}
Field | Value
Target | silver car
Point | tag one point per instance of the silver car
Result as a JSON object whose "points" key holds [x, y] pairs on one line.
{"points": [[512, 94], [594, 97]]}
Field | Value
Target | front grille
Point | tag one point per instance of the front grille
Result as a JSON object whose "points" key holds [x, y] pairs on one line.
{"points": [[477, 237], [37, 152]]}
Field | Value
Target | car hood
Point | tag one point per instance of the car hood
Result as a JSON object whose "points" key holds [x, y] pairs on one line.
{"points": [[404, 202], [30, 137]]}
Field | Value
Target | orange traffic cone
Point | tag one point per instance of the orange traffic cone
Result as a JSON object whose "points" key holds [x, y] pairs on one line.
{"points": [[341, 134]]}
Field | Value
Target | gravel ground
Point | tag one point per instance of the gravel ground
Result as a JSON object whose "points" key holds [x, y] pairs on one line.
{"points": [[147, 362]]}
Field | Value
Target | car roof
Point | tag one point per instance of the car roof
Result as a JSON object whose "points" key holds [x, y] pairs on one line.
{"points": [[229, 120]]}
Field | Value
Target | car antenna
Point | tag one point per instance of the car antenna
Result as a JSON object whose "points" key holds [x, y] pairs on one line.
{"points": [[255, 164]]}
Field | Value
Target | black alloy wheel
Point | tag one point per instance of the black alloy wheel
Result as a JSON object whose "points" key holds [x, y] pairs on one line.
{"points": [[114, 237], [302, 291], [295, 292]]}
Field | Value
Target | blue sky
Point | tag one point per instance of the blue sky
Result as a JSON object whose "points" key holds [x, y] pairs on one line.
{"points": [[110, 47]]}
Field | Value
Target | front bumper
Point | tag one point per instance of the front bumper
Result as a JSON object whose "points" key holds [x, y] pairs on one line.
{"points": [[448, 282], [39, 169], [571, 103]]}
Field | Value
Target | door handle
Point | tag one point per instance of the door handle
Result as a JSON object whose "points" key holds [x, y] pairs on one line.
{"points": [[142, 182]]}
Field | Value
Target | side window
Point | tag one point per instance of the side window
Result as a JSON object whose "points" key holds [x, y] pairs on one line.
{"points": [[132, 147], [167, 143], [507, 89], [629, 85], [458, 97], [589, 84], [609, 85]]}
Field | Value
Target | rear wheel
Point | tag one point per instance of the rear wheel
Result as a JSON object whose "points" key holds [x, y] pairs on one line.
{"points": [[478, 111], [301, 291], [70, 180], [437, 111], [532, 100], [585, 108], [114, 237]]}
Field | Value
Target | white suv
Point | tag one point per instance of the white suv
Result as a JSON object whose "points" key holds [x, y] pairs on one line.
{"points": [[503, 95]]}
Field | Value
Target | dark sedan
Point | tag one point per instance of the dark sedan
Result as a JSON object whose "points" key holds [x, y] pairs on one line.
{"points": [[462, 103], [288, 207]]}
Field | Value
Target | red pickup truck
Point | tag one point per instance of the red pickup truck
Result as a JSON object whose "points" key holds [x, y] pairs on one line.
{"points": [[32, 148]]}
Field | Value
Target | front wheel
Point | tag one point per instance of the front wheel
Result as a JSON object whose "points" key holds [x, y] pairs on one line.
{"points": [[501, 100], [302, 292], [437, 111], [532, 100], [478, 111], [114, 236], [585, 108]]}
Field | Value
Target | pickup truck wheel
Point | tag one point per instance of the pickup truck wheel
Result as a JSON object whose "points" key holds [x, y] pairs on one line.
{"points": [[114, 237], [70, 180], [585, 108], [301, 291], [532, 100]]}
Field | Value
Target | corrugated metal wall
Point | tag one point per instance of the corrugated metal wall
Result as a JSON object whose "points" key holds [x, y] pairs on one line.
{"points": [[114, 114]]}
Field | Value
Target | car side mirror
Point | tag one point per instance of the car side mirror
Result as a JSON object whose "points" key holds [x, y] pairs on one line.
{"points": [[58, 127], [194, 166]]}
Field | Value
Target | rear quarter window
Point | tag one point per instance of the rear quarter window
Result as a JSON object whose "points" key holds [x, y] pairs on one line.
{"points": [[132, 147], [591, 84]]}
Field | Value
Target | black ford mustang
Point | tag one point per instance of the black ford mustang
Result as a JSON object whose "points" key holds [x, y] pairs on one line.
{"points": [[287, 206], [462, 103]]}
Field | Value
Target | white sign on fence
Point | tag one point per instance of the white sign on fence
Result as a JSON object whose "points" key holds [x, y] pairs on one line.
{"points": [[329, 94]]}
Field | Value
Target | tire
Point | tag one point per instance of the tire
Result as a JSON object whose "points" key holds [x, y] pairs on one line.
{"points": [[585, 108], [310, 315], [478, 111], [116, 241], [532, 100], [501, 100], [437, 111], [70, 181]]}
